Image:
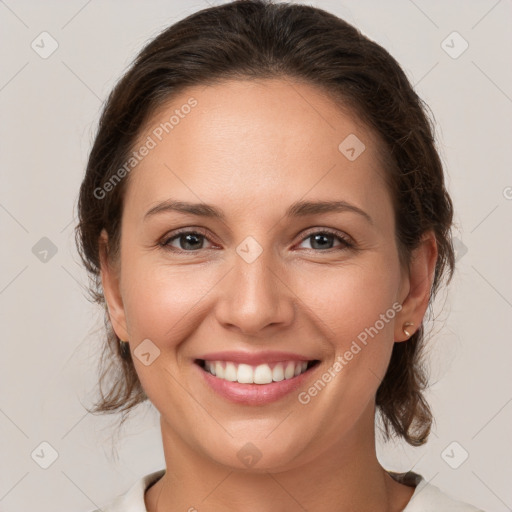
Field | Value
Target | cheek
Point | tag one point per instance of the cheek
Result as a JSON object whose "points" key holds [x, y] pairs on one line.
{"points": [[354, 308], [160, 299], [352, 297]]}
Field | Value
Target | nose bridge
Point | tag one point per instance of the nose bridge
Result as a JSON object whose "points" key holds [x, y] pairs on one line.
{"points": [[256, 295]]}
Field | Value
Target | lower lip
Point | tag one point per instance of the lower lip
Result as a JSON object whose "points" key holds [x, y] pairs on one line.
{"points": [[255, 394]]}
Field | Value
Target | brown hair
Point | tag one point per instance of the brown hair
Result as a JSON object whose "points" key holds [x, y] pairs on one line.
{"points": [[260, 39]]}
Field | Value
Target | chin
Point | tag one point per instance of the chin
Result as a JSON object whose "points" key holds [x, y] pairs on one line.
{"points": [[258, 453]]}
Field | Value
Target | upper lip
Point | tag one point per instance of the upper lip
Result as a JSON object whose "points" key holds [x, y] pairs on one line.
{"points": [[254, 358]]}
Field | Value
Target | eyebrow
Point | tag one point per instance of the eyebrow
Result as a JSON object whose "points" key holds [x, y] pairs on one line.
{"points": [[297, 209]]}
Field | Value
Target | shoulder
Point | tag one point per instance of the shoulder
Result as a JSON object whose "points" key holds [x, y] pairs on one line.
{"points": [[429, 498], [133, 499]]}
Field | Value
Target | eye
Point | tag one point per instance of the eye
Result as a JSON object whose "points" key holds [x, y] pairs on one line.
{"points": [[322, 240], [188, 241], [193, 241]]}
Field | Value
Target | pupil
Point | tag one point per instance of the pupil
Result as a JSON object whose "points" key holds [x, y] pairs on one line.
{"points": [[316, 238], [187, 240]]}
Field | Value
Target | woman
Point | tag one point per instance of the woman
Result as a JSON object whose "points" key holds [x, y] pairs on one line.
{"points": [[265, 217]]}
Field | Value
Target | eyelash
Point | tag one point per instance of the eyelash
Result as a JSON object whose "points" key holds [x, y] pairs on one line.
{"points": [[346, 241]]}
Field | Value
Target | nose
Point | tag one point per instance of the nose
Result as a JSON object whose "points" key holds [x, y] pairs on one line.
{"points": [[255, 296]]}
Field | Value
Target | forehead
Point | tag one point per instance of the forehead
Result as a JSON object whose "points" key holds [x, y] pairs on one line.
{"points": [[256, 141]]}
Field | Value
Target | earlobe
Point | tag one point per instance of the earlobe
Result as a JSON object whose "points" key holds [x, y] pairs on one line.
{"points": [[421, 278], [110, 280]]}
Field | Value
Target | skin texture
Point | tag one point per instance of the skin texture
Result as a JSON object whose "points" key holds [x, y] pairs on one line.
{"points": [[253, 148]]}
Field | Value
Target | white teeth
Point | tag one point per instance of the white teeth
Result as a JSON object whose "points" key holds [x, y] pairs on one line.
{"points": [[261, 374], [278, 373], [230, 373], [245, 374], [219, 370], [290, 370]]}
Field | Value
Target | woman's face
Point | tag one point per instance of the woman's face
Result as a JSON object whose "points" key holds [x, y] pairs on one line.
{"points": [[274, 282]]}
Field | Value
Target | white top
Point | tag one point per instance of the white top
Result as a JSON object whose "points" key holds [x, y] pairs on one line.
{"points": [[426, 497]]}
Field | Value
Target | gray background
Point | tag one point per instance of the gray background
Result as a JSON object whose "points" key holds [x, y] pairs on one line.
{"points": [[51, 334]]}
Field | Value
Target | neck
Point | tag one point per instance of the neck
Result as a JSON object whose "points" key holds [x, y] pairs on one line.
{"points": [[345, 476]]}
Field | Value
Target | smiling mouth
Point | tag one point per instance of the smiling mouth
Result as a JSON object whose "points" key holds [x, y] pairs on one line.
{"points": [[256, 374]]}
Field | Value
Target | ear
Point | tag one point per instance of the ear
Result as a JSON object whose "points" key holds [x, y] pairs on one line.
{"points": [[110, 279], [416, 286]]}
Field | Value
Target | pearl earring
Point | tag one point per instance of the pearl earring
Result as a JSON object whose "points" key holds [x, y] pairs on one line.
{"points": [[407, 324]]}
